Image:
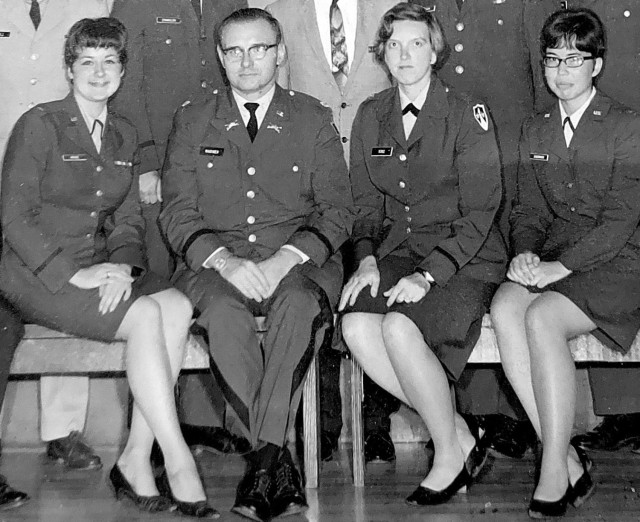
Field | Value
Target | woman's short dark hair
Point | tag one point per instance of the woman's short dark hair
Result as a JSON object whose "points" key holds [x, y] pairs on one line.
{"points": [[405, 11], [105, 33], [577, 27], [249, 14]]}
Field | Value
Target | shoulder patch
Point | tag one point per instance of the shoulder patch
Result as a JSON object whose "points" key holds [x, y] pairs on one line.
{"points": [[186, 104], [480, 114]]}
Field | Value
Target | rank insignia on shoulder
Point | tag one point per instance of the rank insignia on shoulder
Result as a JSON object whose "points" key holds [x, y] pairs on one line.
{"points": [[537, 156], [75, 157], [480, 114], [168, 20], [597, 113], [5, 34], [122, 163], [186, 104], [547, 115], [382, 151], [211, 151], [429, 9], [499, 1], [371, 49]]}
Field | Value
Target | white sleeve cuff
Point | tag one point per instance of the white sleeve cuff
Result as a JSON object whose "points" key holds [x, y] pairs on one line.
{"points": [[206, 261], [291, 248]]}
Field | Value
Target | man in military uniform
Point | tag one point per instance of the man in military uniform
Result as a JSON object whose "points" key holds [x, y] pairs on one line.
{"points": [[307, 27], [492, 57], [172, 58], [256, 203], [616, 394]]}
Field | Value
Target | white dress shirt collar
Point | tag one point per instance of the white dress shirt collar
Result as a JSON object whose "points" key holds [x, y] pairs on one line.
{"points": [[409, 119], [263, 104], [89, 121], [574, 118]]}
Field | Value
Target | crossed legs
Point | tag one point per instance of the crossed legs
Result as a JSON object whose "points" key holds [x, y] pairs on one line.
{"points": [[532, 332]]}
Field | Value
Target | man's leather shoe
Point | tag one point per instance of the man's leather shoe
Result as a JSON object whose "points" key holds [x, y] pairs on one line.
{"points": [[328, 445], [217, 440], [9, 497], [508, 436], [288, 493], [613, 433], [378, 447], [253, 496], [73, 452]]}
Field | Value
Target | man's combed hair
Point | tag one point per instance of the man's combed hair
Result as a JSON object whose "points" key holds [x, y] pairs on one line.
{"points": [[99, 33], [413, 13], [249, 14], [577, 28]]}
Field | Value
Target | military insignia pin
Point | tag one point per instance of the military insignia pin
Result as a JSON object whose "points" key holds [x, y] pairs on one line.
{"points": [[231, 125], [480, 114], [280, 113], [274, 127]]}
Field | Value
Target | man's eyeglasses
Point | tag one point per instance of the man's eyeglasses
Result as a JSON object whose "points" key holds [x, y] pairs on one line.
{"points": [[553, 62], [255, 52]]}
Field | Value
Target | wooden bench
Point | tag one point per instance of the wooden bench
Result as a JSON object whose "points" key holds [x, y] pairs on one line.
{"points": [[585, 349], [48, 352]]}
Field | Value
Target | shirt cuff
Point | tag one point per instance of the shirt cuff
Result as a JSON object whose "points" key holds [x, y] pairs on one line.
{"points": [[429, 278], [291, 248], [205, 265]]}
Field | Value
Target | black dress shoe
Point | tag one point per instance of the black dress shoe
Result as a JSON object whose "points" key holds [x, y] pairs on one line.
{"points": [[508, 436], [543, 509], [328, 445], [430, 497], [217, 440], [123, 489], [612, 434], [73, 452], [288, 493], [9, 497], [199, 509], [584, 486], [253, 496], [378, 447]]}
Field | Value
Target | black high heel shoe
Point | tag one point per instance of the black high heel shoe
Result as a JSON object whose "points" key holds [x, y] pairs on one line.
{"points": [[473, 464], [584, 486], [543, 509], [122, 488], [199, 509]]}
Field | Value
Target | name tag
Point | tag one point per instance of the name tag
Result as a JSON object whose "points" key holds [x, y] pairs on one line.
{"points": [[211, 151], [382, 151], [5, 34], [122, 163], [168, 20], [536, 156], [75, 157]]}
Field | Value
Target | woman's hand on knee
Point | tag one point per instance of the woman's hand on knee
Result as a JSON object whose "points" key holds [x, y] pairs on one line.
{"points": [[547, 273], [521, 269], [366, 275], [112, 293], [100, 274], [409, 289]]}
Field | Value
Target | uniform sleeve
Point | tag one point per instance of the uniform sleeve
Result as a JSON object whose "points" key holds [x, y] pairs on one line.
{"points": [[331, 220], [620, 211], [181, 219], [125, 242], [368, 200], [22, 172], [531, 216], [130, 100], [477, 163]]}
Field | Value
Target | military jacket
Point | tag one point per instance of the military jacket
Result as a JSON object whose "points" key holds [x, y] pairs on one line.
{"points": [[64, 205], [172, 58], [580, 204], [290, 186], [434, 195]]}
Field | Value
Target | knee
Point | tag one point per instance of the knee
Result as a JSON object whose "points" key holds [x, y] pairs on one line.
{"points": [[147, 312], [396, 328], [354, 331], [302, 301], [538, 317], [181, 307], [504, 310]]}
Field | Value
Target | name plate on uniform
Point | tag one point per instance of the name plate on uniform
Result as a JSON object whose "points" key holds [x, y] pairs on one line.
{"points": [[211, 151], [168, 20], [75, 157], [382, 151], [538, 156], [5, 34]]}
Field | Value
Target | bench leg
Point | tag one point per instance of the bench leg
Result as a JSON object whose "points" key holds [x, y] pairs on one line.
{"points": [[357, 393], [310, 430]]}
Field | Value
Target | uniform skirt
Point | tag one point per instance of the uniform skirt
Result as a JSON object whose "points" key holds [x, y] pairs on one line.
{"points": [[610, 296], [449, 316], [72, 309]]}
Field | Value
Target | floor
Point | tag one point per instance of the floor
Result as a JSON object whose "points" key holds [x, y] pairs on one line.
{"points": [[500, 494]]}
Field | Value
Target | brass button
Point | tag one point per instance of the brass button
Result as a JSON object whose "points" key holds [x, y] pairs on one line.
{"points": [[459, 47], [203, 85], [94, 214], [295, 168], [33, 81], [251, 171], [406, 209], [408, 219], [251, 220], [402, 184], [408, 230], [459, 69], [573, 209], [35, 56], [99, 168], [89, 236], [168, 41], [500, 21], [569, 185], [252, 238], [210, 165], [402, 157], [627, 14], [251, 194], [460, 26], [99, 193]]}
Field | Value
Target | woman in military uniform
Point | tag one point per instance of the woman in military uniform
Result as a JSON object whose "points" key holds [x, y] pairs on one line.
{"points": [[425, 173], [577, 243], [73, 256]]}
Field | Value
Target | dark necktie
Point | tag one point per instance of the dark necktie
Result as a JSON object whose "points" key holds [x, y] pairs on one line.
{"points": [[339, 56], [412, 109], [34, 13], [252, 126], [96, 134], [568, 120], [460, 3]]}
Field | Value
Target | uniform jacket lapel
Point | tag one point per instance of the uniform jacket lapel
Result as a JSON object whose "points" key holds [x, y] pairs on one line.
{"points": [[390, 117], [591, 126], [552, 135], [435, 108], [76, 129], [15, 13], [228, 121], [275, 126], [112, 141]]}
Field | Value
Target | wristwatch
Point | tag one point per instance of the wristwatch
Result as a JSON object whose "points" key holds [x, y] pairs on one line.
{"points": [[219, 263]]}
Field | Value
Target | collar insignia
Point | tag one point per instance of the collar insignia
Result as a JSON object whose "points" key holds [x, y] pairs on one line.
{"points": [[275, 127], [231, 125]]}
